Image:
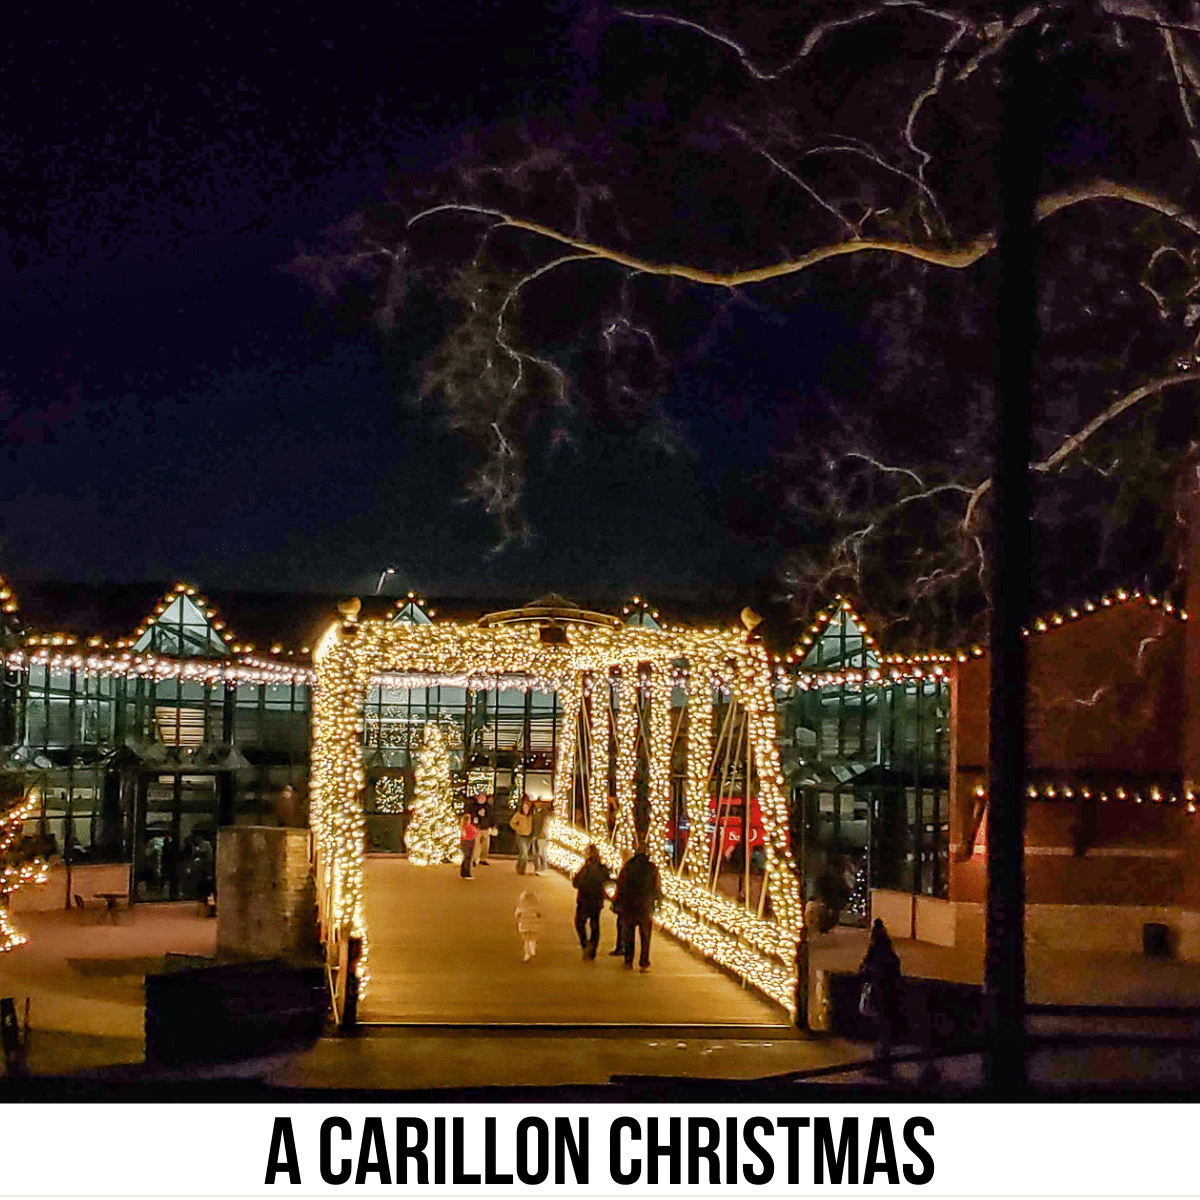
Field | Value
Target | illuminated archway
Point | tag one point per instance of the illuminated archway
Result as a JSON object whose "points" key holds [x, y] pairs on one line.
{"points": [[627, 672]]}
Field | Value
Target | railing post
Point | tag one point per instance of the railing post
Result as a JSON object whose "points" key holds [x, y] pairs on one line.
{"points": [[802, 980], [349, 953], [13, 1037]]}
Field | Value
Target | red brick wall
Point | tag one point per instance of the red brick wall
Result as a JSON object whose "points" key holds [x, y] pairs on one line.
{"points": [[1106, 705]]}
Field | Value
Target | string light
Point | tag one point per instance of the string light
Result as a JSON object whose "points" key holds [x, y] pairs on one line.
{"points": [[699, 755], [389, 795], [599, 742], [353, 656], [432, 834], [627, 733], [1137, 793], [1053, 620], [33, 871]]}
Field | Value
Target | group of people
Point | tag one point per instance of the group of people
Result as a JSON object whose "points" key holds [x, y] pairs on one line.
{"points": [[634, 898], [636, 895], [528, 823]]}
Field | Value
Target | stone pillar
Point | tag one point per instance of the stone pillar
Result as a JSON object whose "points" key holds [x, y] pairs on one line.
{"points": [[266, 902]]}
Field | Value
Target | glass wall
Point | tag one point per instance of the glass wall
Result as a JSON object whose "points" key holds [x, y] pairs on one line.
{"points": [[119, 764], [502, 742], [870, 779]]}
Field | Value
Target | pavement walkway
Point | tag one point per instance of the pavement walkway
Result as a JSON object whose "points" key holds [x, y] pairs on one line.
{"points": [[495, 1020], [445, 950]]}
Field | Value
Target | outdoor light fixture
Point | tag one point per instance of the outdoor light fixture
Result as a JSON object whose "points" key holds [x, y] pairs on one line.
{"points": [[382, 576]]}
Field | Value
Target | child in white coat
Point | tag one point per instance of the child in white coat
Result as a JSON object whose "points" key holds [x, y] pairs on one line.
{"points": [[528, 914]]}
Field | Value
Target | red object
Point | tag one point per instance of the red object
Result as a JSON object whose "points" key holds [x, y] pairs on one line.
{"points": [[725, 820], [729, 832]]}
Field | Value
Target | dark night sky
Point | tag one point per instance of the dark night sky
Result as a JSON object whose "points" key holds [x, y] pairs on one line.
{"points": [[172, 407]]}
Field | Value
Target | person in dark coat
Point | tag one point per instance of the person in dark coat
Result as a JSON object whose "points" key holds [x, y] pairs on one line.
{"points": [[589, 883], [639, 891], [880, 998]]}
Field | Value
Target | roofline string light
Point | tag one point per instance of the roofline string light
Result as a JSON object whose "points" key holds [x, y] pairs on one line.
{"points": [[1125, 793], [1052, 620], [936, 665]]}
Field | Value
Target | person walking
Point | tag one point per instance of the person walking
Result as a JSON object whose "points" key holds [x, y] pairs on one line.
{"points": [[541, 814], [481, 812], [466, 843], [521, 823], [618, 951], [528, 914], [879, 999], [589, 883], [639, 891]]}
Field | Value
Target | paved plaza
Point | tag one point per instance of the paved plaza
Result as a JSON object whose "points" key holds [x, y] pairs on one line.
{"points": [[458, 1007]]}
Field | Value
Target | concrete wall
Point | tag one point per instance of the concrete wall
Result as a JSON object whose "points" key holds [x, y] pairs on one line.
{"points": [[934, 920], [1099, 928], [266, 905], [894, 909]]}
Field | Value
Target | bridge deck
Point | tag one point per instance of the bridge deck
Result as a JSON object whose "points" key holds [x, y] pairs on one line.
{"points": [[446, 950]]}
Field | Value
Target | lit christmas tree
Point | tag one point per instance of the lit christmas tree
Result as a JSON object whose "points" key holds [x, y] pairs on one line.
{"points": [[432, 835], [16, 870]]}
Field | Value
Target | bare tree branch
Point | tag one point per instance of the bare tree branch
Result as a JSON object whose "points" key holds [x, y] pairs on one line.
{"points": [[957, 259], [1072, 443]]}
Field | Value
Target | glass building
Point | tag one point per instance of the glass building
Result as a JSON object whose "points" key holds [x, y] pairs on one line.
{"points": [[866, 747], [147, 733]]}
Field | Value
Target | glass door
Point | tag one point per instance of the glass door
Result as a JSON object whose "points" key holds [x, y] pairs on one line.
{"points": [[175, 850]]}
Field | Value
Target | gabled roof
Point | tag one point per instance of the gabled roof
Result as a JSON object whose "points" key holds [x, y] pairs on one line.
{"points": [[640, 613], [838, 638], [183, 625], [276, 626], [413, 610]]}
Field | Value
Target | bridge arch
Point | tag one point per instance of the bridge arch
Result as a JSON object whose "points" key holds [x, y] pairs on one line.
{"points": [[616, 683]]}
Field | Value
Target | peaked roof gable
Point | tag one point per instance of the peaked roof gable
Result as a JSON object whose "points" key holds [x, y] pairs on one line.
{"points": [[183, 626], [838, 638]]}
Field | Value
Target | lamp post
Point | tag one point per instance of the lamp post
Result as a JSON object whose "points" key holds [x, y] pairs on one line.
{"points": [[382, 576]]}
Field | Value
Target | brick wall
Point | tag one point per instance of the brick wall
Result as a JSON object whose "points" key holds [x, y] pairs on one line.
{"points": [[1106, 707]]}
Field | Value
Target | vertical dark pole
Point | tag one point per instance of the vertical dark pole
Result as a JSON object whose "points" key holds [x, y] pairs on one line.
{"points": [[1004, 960], [176, 835]]}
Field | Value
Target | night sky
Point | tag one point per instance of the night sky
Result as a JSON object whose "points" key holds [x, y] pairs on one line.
{"points": [[176, 404]]}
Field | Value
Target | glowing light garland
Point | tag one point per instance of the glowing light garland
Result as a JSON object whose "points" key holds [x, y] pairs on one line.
{"points": [[352, 655], [152, 666], [627, 745], [34, 871], [699, 755], [599, 743], [659, 696], [432, 835], [389, 795], [1133, 793], [572, 702]]}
